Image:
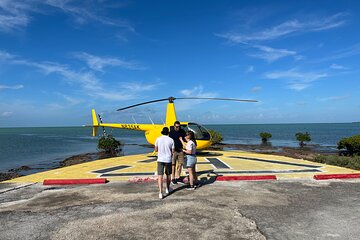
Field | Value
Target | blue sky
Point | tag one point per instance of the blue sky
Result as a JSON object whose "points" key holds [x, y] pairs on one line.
{"points": [[61, 58]]}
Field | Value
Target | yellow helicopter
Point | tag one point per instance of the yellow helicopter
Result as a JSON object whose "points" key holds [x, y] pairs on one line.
{"points": [[153, 131]]}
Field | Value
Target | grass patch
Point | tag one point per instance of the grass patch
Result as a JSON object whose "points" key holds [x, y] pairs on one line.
{"points": [[348, 162]]}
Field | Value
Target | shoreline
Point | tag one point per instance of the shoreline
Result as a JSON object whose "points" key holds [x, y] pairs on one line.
{"points": [[308, 153]]}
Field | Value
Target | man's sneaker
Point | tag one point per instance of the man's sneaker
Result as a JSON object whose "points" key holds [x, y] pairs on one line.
{"points": [[173, 182], [160, 195], [168, 190], [190, 188]]}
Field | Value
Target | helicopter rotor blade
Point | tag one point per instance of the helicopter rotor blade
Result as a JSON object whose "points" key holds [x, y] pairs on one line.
{"points": [[143, 103], [171, 99], [226, 99]]}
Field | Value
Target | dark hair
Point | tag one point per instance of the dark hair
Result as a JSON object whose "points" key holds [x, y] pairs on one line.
{"points": [[165, 131], [176, 122], [192, 136]]}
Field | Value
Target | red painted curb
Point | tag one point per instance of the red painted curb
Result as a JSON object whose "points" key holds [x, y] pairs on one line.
{"points": [[336, 176], [74, 181], [245, 178]]}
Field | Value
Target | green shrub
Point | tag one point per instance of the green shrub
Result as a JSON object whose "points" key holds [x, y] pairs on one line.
{"points": [[303, 137], [337, 161], [354, 163], [216, 137], [109, 144], [265, 136], [320, 159], [351, 144], [348, 162]]}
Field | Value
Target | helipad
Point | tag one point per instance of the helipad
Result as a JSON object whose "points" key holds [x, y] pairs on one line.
{"points": [[227, 163]]}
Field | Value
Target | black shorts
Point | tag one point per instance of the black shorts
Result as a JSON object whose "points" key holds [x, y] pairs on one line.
{"points": [[161, 166]]}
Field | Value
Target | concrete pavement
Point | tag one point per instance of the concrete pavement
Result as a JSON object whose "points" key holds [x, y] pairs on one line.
{"points": [[301, 209]]}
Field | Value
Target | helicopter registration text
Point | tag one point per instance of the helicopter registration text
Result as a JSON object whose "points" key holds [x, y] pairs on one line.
{"points": [[131, 126]]}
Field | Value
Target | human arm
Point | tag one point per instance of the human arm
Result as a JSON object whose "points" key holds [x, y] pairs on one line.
{"points": [[182, 141], [187, 151], [156, 146]]}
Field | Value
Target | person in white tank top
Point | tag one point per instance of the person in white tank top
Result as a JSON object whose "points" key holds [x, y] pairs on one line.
{"points": [[190, 151]]}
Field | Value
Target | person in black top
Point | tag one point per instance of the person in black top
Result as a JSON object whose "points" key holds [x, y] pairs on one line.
{"points": [[178, 156]]}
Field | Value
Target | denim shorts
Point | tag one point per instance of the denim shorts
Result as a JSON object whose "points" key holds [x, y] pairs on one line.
{"points": [[190, 160]]}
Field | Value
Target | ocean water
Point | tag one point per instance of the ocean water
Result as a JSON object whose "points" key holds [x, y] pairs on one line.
{"points": [[323, 134], [45, 147]]}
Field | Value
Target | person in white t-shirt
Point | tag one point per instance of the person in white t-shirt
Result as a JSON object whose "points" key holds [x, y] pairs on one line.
{"points": [[164, 146]]}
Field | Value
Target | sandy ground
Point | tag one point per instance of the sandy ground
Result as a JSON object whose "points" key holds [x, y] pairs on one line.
{"points": [[220, 210]]}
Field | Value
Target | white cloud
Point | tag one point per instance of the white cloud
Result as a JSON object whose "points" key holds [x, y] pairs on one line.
{"points": [[54, 106], [84, 13], [301, 103], [15, 87], [6, 56], [137, 87], [71, 100], [129, 90], [87, 80], [250, 69], [298, 86], [197, 91], [296, 80], [256, 89], [271, 54], [98, 63], [287, 28], [299, 57], [234, 66], [16, 14], [13, 14], [338, 67], [334, 98], [342, 53], [6, 114], [293, 74]]}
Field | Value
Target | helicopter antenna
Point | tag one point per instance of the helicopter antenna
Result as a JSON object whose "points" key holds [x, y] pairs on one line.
{"points": [[171, 100], [133, 119], [151, 120]]}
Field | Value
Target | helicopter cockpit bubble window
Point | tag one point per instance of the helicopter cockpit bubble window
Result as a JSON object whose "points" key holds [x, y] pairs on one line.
{"points": [[200, 132]]}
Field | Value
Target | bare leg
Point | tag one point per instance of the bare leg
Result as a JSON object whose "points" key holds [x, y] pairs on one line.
{"points": [[178, 170], [160, 183], [195, 175], [173, 167], [191, 176], [168, 180]]}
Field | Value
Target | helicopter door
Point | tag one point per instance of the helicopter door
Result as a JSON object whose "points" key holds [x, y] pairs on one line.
{"points": [[201, 133]]}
